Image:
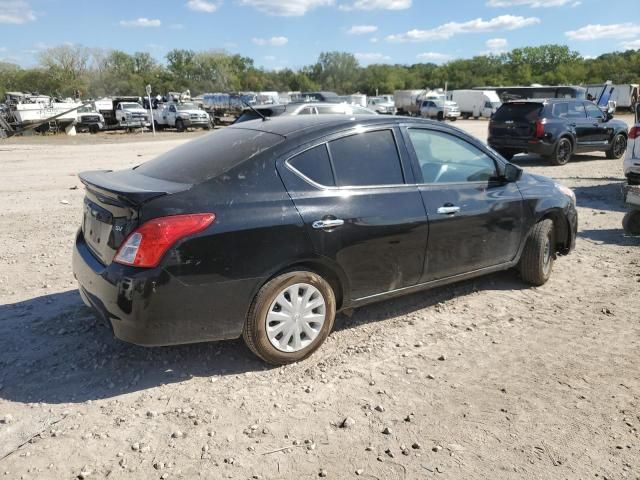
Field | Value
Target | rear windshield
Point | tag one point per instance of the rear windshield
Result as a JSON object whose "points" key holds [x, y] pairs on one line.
{"points": [[519, 112], [209, 156]]}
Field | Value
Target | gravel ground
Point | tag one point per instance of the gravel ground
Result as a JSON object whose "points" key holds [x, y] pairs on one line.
{"points": [[484, 379]]}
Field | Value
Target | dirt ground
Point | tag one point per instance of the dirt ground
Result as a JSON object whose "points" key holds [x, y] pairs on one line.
{"points": [[485, 379]]}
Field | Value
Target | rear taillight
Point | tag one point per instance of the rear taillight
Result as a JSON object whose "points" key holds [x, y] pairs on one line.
{"points": [[634, 133], [146, 245], [539, 129]]}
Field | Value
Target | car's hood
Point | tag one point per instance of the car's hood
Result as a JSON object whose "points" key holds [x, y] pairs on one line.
{"points": [[135, 110]]}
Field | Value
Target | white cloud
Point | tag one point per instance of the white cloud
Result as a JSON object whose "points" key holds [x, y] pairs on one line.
{"points": [[372, 57], [596, 32], [632, 45], [377, 5], [433, 56], [271, 42], [285, 8], [202, 6], [496, 45], [374, 39], [141, 22], [448, 30], [362, 29], [16, 12], [530, 3]]}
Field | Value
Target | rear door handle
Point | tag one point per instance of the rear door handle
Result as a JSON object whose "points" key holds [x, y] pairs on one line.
{"points": [[326, 224], [448, 210]]}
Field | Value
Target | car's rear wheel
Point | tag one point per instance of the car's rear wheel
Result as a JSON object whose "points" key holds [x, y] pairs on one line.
{"points": [[538, 256], [618, 147], [180, 125], [562, 153], [440, 116], [631, 222], [290, 317]]}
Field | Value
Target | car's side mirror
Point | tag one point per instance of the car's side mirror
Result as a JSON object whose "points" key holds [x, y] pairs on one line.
{"points": [[512, 173]]}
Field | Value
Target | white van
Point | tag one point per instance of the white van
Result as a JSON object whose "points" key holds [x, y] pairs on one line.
{"points": [[475, 103]]}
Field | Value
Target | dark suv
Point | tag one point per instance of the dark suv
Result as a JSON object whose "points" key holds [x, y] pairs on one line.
{"points": [[266, 229], [556, 129]]}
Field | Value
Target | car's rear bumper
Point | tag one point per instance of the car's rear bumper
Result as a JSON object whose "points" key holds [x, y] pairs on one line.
{"points": [[517, 145], [152, 307]]}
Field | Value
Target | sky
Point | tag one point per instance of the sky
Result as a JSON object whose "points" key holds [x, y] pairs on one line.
{"points": [[291, 33]]}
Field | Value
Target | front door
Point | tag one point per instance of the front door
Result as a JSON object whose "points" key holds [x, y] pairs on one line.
{"points": [[359, 209], [600, 131], [475, 219]]}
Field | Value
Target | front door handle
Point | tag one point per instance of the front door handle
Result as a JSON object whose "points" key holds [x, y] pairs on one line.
{"points": [[448, 210], [326, 224]]}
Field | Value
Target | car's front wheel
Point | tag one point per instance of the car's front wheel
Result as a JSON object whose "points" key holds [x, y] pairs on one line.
{"points": [[618, 147], [538, 256], [290, 317], [631, 222]]}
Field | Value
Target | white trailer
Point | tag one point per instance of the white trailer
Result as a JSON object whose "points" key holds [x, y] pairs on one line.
{"points": [[475, 103], [625, 95], [408, 101]]}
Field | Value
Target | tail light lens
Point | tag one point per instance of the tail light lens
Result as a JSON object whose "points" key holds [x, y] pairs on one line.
{"points": [[539, 129], [634, 133], [147, 244]]}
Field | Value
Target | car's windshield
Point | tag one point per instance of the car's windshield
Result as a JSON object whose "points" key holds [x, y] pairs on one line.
{"points": [[131, 105]]}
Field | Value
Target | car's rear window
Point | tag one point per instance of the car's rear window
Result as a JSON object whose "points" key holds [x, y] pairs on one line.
{"points": [[518, 112], [209, 156]]}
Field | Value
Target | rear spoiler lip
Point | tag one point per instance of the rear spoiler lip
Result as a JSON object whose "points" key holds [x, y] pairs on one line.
{"points": [[128, 187]]}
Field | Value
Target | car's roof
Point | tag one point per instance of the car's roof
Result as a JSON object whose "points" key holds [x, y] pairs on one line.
{"points": [[545, 100], [288, 126]]}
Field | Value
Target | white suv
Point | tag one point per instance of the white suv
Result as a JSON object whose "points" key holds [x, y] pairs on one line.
{"points": [[632, 157]]}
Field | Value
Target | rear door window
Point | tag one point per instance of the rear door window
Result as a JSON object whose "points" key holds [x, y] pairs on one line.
{"points": [[576, 110], [369, 158], [315, 165], [518, 112]]}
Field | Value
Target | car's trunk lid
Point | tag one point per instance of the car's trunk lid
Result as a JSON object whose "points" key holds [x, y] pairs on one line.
{"points": [[515, 120], [112, 206]]}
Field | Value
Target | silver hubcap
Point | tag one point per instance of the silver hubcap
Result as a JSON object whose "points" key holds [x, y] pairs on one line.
{"points": [[296, 317]]}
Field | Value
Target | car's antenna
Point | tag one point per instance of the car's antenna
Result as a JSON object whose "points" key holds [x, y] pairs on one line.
{"points": [[261, 115]]}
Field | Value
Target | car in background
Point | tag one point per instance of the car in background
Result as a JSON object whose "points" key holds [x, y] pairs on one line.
{"points": [[556, 129], [89, 120], [265, 229], [439, 109], [381, 105], [304, 108], [631, 164]]}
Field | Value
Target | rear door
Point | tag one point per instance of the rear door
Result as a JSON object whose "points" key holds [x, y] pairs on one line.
{"points": [[475, 220], [361, 208], [599, 128], [574, 114]]}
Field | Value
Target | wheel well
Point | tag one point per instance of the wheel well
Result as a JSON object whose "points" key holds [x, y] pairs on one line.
{"points": [[561, 229], [570, 138], [325, 272]]}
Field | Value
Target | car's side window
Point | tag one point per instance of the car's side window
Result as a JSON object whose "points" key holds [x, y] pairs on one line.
{"points": [[576, 110], [306, 111], [315, 165], [560, 110], [323, 109], [366, 159], [593, 111], [444, 158]]}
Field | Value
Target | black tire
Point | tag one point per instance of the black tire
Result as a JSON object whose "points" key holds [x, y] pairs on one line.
{"points": [[440, 116], [453, 119], [157, 126], [255, 328], [633, 181], [618, 147], [180, 125], [562, 152], [631, 222], [465, 116], [538, 256]]}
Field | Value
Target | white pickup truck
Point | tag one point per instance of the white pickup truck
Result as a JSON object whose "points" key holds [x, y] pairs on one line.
{"points": [[132, 115], [180, 116]]}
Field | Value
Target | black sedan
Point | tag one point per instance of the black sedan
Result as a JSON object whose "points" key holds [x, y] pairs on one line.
{"points": [[265, 229]]}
